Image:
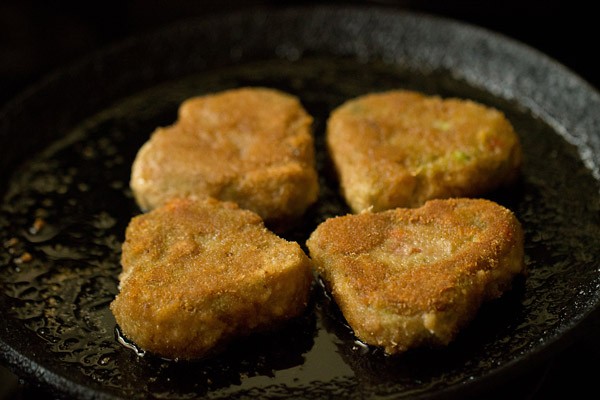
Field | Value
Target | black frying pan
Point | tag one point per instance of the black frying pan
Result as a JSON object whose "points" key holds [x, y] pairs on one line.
{"points": [[67, 148]]}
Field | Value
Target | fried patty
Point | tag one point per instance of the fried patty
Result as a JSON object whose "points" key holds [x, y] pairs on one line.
{"points": [[405, 278], [197, 274], [402, 148], [252, 146]]}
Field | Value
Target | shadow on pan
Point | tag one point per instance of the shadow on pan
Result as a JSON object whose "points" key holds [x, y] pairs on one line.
{"points": [[67, 147]]}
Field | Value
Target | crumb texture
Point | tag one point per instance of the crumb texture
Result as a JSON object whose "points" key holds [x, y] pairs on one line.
{"points": [[252, 146], [401, 148], [198, 273], [409, 277]]}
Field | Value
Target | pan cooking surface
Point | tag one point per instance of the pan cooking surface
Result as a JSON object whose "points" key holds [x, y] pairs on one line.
{"points": [[65, 209]]}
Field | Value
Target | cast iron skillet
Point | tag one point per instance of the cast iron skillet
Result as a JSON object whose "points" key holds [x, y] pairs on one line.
{"points": [[67, 147]]}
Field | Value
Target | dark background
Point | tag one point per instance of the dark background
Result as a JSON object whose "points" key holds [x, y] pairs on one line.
{"points": [[39, 36]]}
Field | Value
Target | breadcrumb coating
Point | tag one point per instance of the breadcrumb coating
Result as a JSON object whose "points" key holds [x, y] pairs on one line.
{"points": [[404, 278], [197, 274], [252, 146], [401, 148]]}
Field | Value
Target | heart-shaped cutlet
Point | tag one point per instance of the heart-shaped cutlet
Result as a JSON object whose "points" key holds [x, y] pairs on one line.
{"points": [[401, 148], [197, 274], [252, 146], [410, 277]]}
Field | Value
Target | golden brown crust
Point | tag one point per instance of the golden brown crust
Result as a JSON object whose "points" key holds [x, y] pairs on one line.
{"points": [[252, 146], [407, 277], [401, 148], [198, 273]]}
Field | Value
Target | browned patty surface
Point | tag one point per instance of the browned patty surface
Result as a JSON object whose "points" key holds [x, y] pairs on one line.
{"points": [[252, 146], [409, 277], [198, 273], [400, 148]]}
